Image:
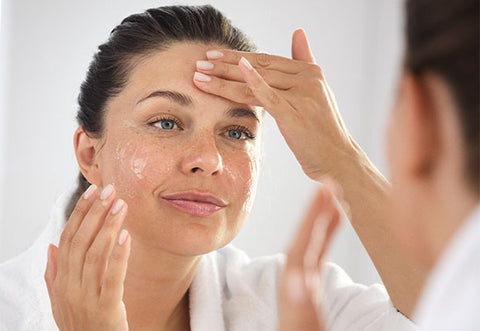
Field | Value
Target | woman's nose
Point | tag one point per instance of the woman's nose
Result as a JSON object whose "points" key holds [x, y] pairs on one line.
{"points": [[202, 158]]}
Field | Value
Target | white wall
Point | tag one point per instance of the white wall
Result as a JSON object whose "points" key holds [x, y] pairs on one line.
{"points": [[49, 44]]}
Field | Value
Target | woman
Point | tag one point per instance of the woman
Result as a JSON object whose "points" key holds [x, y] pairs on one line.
{"points": [[185, 165], [433, 153]]}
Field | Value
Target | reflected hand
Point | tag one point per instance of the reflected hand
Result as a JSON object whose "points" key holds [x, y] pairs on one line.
{"points": [[300, 283], [85, 274], [293, 91]]}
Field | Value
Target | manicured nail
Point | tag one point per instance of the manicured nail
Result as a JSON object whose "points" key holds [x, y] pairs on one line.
{"points": [[88, 193], [106, 192], [296, 286], [214, 55], [117, 206], [123, 237], [205, 65], [201, 77], [247, 64]]}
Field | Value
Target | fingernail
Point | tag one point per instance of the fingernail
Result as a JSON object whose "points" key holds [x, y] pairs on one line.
{"points": [[117, 206], [123, 237], [296, 286], [88, 193], [214, 55], [201, 77], [205, 65], [247, 64], [106, 192]]}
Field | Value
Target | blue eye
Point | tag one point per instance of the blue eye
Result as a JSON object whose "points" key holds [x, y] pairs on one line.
{"points": [[235, 134], [165, 124]]}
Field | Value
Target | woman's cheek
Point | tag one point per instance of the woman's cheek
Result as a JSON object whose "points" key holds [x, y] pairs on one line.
{"points": [[243, 177], [138, 172]]}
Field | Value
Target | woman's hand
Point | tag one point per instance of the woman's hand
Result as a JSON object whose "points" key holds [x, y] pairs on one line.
{"points": [[293, 91], [300, 285], [85, 274]]}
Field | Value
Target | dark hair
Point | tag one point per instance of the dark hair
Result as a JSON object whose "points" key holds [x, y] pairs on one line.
{"points": [[138, 36], [443, 37]]}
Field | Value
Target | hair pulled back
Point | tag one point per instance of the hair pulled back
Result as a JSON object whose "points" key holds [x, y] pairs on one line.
{"points": [[138, 36], [443, 37]]}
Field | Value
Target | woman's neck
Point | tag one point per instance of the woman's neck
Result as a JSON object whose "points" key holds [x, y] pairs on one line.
{"points": [[156, 288]]}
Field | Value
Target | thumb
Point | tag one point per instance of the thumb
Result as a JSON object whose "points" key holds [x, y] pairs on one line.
{"points": [[51, 270], [300, 47]]}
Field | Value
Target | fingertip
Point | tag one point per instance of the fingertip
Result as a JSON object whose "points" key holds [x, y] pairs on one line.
{"points": [[299, 30], [245, 64]]}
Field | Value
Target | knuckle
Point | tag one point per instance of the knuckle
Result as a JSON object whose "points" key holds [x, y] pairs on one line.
{"points": [[273, 98], [262, 72], [248, 92], [65, 238], [221, 85], [77, 241], [223, 69], [316, 70], [79, 210], [92, 258], [263, 59]]}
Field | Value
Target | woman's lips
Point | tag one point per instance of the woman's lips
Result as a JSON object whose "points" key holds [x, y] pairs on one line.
{"points": [[196, 204]]}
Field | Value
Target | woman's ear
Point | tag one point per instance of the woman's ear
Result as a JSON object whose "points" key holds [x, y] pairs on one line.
{"points": [[420, 122], [86, 153]]}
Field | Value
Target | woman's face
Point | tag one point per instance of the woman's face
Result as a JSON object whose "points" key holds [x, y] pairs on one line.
{"points": [[186, 162]]}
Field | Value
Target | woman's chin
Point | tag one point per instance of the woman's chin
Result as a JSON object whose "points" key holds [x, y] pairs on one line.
{"points": [[191, 239]]}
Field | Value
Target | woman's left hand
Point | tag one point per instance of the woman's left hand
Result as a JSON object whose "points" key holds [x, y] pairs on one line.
{"points": [[300, 283]]}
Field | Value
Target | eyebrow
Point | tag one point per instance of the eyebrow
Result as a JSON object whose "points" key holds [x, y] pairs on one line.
{"points": [[185, 100], [177, 97], [242, 112]]}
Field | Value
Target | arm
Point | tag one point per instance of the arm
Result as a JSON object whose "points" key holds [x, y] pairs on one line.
{"points": [[296, 94]]}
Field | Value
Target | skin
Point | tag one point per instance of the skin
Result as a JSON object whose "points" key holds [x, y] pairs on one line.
{"points": [[295, 92], [430, 196], [144, 161], [427, 156], [300, 281]]}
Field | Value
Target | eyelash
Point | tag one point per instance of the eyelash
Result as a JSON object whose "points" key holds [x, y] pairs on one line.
{"points": [[245, 131], [177, 122]]}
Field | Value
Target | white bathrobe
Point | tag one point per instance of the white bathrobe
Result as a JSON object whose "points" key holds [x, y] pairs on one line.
{"points": [[230, 291], [451, 297]]}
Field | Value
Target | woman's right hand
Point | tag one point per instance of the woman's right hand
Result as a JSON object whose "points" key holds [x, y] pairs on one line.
{"points": [[85, 274], [295, 92]]}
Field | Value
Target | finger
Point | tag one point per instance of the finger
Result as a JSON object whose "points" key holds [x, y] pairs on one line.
{"points": [[333, 221], [273, 78], [112, 289], [97, 256], [259, 60], [301, 48], [81, 209], [268, 97], [300, 245], [234, 91], [51, 271], [298, 310], [87, 232]]}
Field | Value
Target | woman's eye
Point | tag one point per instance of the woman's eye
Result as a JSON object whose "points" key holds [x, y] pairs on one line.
{"points": [[165, 124], [235, 134], [239, 133]]}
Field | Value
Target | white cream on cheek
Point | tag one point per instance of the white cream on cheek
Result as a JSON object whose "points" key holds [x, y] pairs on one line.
{"points": [[132, 161], [245, 178]]}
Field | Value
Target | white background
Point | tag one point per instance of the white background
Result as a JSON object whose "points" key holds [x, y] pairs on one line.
{"points": [[46, 46]]}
